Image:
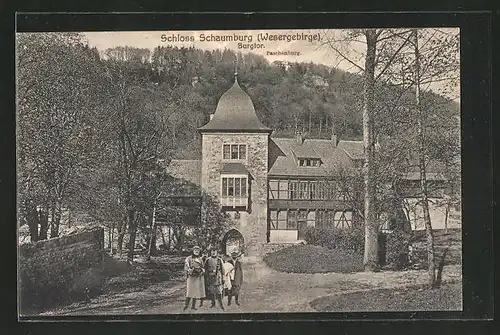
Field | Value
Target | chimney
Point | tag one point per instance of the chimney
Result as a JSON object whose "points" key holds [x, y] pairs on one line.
{"points": [[299, 137], [211, 116], [335, 140]]}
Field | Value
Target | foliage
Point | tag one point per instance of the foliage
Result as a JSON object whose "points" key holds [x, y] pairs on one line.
{"points": [[314, 259], [214, 224], [58, 87], [350, 240], [397, 249], [95, 133]]}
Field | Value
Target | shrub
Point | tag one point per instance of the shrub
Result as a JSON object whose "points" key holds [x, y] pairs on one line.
{"points": [[314, 259], [334, 238], [397, 249]]}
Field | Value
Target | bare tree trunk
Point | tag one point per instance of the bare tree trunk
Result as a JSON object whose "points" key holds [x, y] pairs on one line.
{"points": [[446, 214], [112, 238], [132, 224], [32, 220], [44, 224], [55, 220], [163, 236], [320, 125], [423, 178], [121, 235], [152, 237], [371, 230], [69, 218], [110, 232]]}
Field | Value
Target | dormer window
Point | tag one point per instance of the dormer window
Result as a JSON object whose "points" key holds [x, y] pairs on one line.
{"points": [[309, 162], [234, 151]]}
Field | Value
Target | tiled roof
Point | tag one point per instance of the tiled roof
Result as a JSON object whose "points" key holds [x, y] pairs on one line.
{"points": [[283, 162], [234, 168], [186, 169], [305, 151], [354, 149], [235, 112]]}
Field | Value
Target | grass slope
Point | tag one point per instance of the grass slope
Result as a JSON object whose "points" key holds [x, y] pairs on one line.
{"points": [[314, 259], [417, 298]]}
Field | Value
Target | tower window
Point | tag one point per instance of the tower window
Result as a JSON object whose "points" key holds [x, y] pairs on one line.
{"points": [[234, 151], [234, 192]]}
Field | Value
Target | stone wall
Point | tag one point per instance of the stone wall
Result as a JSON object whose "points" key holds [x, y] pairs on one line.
{"points": [[60, 269], [252, 224]]}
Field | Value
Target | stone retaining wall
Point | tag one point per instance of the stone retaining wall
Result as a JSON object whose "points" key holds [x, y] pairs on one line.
{"points": [[60, 269]]}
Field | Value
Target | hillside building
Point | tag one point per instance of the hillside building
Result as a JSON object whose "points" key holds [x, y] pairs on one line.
{"points": [[273, 188]]}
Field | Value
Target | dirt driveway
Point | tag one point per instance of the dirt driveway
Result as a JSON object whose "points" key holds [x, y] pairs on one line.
{"points": [[264, 290]]}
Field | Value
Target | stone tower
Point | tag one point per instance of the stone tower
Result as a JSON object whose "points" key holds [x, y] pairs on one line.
{"points": [[235, 165]]}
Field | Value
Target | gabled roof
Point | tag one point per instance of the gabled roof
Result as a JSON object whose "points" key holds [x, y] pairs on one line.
{"points": [[354, 149], [235, 112], [188, 170], [283, 162]]}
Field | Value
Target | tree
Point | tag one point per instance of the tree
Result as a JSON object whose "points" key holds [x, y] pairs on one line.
{"points": [[379, 53], [422, 161], [424, 124], [58, 99]]}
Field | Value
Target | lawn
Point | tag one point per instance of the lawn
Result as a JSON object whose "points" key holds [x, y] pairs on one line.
{"points": [[314, 259], [416, 298]]}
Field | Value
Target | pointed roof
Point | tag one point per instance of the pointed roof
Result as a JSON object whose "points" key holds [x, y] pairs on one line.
{"points": [[235, 112]]}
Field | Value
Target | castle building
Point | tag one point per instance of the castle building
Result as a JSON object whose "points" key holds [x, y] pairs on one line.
{"points": [[273, 188]]}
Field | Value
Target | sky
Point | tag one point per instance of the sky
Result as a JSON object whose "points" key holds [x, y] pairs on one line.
{"points": [[287, 45]]}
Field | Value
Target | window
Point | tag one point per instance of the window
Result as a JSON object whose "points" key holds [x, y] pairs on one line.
{"points": [[312, 190], [309, 162], [343, 220], [294, 188], [311, 219], [283, 191], [273, 189], [234, 187], [243, 151], [291, 222], [291, 219], [306, 190], [234, 151], [324, 218], [226, 151], [278, 220], [234, 192]]}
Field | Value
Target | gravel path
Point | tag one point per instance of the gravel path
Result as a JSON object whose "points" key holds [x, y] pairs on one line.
{"points": [[264, 290]]}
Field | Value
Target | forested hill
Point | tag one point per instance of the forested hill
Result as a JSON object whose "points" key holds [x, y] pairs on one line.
{"points": [[288, 97]]}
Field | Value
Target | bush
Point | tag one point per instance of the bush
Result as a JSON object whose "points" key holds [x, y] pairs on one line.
{"points": [[334, 238], [397, 249], [314, 259]]}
